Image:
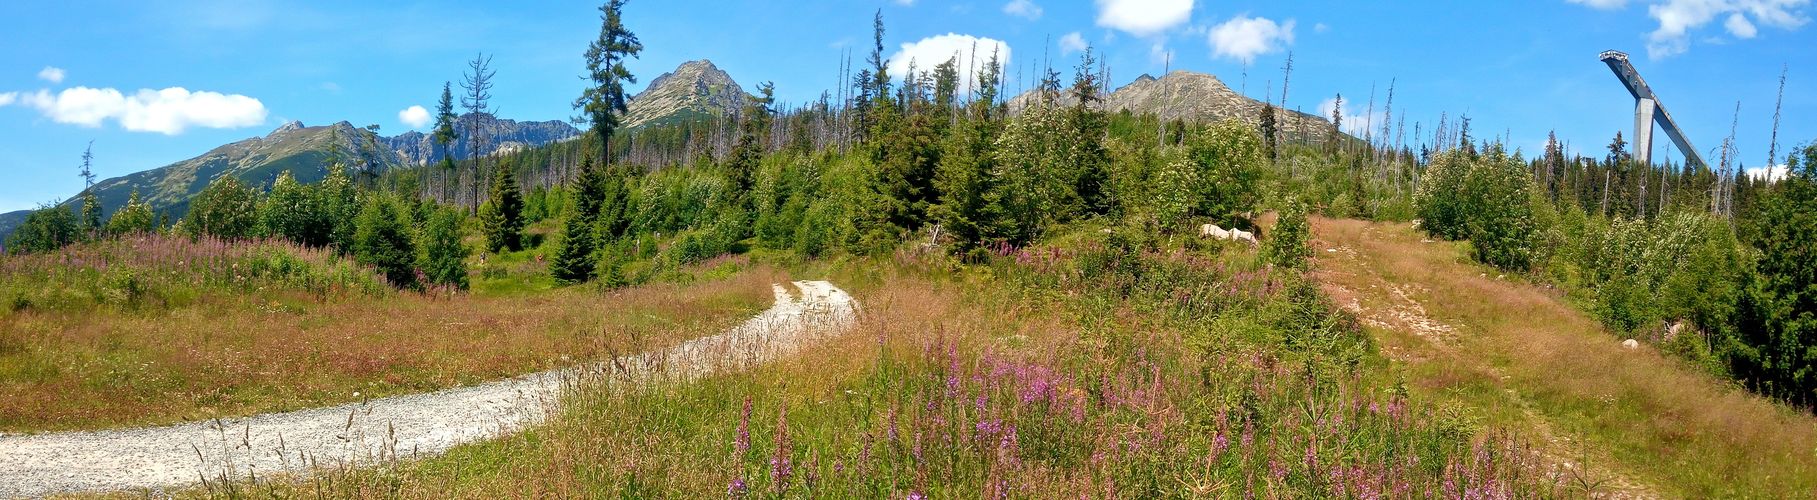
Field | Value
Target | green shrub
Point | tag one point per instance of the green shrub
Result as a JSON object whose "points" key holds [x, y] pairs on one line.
{"points": [[383, 241], [135, 217], [1486, 199], [226, 209], [1286, 245], [297, 212], [1229, 156], [46, 229]]}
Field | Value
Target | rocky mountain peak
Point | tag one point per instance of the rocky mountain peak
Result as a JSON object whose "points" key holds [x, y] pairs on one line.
{"points": [[696, 89], [290, 126], [1192, 96]]}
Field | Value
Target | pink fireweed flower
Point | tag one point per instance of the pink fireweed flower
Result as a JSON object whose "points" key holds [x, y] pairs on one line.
{"points": [[737, 489], [742, 443]]}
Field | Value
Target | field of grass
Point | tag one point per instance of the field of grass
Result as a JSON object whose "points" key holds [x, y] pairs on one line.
{"points": [[1521, 357], [163, 330], [1085, 370], [1099, 365]]}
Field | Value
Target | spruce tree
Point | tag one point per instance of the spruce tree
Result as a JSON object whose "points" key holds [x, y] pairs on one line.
{"points": [[603, 104], [444, 257], [1270, 130], [574, 260], [502, 219], [383, 241]]}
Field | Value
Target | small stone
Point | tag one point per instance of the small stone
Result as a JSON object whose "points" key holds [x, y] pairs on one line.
{"points": [[1630, 344]]}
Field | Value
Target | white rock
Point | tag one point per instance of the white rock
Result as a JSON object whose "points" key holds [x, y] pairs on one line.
{"points": [[1630, 344]]}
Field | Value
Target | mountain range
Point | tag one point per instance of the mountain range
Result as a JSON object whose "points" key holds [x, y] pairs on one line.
{"points": [[695, 90], [1190, 96], [417, 148]]}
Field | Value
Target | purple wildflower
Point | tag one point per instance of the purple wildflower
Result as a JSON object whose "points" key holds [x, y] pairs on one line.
{"points": [[736, 489], [743, 442]]}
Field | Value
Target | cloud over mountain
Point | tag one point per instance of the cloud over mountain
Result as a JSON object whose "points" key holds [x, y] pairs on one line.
{"points": [[169, 111]]}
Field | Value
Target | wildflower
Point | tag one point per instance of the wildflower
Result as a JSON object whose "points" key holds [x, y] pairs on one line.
{"points": [[743, 442], [916, 495], [736, 489], [780, 466]]}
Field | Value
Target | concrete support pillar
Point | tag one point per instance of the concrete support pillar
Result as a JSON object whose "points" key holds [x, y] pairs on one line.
{"points": [[1643, 130]]}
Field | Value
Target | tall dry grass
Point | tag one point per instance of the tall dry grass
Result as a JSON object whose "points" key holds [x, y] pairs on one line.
{"points": [[1526, 358], [1018, 386], [224, 354]]}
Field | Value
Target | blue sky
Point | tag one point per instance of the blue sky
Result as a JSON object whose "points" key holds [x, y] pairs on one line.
{"points": [[217, 71]]}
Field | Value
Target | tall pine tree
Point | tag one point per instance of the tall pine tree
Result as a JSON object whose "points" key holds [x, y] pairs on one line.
{"points": [[603, 104]]}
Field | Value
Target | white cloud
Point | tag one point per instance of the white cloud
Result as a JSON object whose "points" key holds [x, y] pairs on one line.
{"points": [[1244, 38], [1678, 18], [1773, 174], [1320, 28], [8, 98], [414, 116], [1073, 42], [1356, 121], [906, 3], [932, 51], [169, 111], [1143, 17], [1601, 4], [1024, 8], [1739, 26], [51, 74]]}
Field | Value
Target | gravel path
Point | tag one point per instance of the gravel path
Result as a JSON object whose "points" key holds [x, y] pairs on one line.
{"points": [[402, 426]]}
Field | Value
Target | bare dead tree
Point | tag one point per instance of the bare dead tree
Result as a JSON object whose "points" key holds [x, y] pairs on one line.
{"points": [[1773, 143], [477, 83]]}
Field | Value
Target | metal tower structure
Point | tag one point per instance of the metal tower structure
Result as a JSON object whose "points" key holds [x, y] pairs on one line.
{"points": [[1647, 111]]}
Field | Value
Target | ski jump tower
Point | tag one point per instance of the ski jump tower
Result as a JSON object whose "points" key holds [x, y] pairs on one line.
{"points": [[1648, 110]]}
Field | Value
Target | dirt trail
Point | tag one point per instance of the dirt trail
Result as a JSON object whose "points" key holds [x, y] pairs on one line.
{"points": [[402, 426], [1615, 422]]}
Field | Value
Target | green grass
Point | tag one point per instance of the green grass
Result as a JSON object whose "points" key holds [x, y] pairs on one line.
{"points": [[1113, 382]]}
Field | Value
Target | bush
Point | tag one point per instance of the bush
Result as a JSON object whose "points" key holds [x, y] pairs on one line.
{"points": [[296, 212], [135, 217], [1229, 157], [227, 209], [1286, 245], [383, 241], [1488, 200], [46, 229]]}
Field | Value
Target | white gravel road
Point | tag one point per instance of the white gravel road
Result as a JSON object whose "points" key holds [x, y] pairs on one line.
{"points": [[404, 426]]}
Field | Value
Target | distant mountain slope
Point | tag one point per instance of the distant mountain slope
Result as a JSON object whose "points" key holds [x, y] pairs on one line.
{"points": [[417, 148], [1193, 97], [696, 89], [306, 152]]}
